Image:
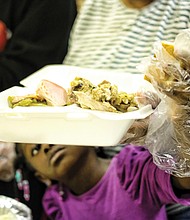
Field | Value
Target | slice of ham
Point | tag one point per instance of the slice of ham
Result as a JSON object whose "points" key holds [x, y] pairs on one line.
{"points": [[54, 94]]}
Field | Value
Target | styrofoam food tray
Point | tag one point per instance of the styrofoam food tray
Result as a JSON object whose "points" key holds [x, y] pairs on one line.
{"points": [[70, 125]]}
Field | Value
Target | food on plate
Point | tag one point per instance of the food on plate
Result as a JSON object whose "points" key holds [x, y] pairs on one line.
{"points": [[47, 93], [52, 93], [103, 97], [26, 100]]}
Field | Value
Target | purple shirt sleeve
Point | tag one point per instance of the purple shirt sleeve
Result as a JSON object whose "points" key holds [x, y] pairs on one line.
{"points": [[137, 171]]}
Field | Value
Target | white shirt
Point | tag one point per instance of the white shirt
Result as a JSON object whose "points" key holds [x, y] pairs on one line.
{"points": [[109, 35]]}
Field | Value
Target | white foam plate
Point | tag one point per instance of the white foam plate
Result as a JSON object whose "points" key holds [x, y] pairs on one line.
{"points": [[70, 125]]}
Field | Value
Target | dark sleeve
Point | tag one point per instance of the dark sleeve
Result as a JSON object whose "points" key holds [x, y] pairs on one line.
{"points": [[40, 31]]}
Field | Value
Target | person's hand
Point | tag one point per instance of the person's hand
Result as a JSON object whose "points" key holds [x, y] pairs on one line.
{"points": [[7, 159], [136, 133], [148, 97]]}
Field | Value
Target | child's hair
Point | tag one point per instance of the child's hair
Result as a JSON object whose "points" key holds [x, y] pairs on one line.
{"points": [[23, 171], [20, 159]]}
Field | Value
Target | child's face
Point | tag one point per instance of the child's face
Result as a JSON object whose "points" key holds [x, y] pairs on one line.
{"points": [[56, 162]]}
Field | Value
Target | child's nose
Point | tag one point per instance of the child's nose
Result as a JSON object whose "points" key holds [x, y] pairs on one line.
{"points": [[47, 147]]}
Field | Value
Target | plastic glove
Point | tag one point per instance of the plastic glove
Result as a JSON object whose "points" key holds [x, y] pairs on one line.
{"points": [[169, 128], [137, 132]]}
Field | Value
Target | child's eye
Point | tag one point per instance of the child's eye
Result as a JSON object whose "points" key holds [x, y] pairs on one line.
{"points": [[35, 150]]}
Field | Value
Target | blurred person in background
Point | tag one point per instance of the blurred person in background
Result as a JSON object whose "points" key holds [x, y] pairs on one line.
{"points": [[118, 34], [32, 35]]}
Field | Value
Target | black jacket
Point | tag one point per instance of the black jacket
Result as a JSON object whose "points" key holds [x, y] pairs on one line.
{"points": [[40, 31]]}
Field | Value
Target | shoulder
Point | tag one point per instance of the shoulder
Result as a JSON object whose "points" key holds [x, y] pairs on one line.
{"points": [[52, 202], [131, 152], [134, 156], [134, 163], [51, 194], [138, 173]]}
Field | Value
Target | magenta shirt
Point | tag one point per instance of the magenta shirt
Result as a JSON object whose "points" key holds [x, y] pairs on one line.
{"points": [[132, 188]]}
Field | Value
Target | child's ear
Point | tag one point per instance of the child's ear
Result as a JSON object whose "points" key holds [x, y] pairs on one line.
{"points": [[43, 178]]}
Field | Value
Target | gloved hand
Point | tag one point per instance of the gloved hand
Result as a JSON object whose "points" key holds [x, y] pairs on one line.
{"points": [[137, 132], [7, 159], [169, 127]]}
